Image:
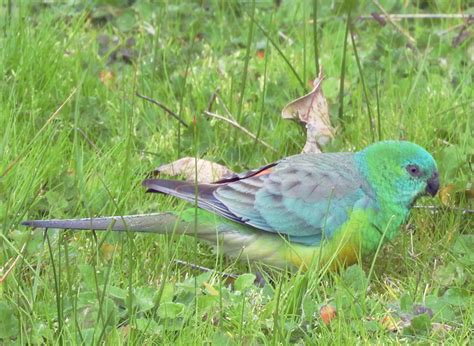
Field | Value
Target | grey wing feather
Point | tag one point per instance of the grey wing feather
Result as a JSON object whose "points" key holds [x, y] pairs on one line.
{"points": [[301, 195]]}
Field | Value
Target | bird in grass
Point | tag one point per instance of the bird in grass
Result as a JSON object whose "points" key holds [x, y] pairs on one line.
{"points": [[330, 208]]}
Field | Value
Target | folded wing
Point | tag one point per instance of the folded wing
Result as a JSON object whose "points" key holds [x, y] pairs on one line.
{"points": [[303, 197]]}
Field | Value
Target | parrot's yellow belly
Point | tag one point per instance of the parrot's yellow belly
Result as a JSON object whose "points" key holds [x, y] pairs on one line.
{"points": [[305, 257], [343, 249]]}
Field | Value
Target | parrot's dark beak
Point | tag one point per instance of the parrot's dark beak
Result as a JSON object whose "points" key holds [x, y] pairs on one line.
{"points": [[432, 185]]}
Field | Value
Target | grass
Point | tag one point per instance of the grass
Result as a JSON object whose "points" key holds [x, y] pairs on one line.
{"points": [[77, 142]]}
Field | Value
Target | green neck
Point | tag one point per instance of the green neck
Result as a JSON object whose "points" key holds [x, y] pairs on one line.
{"points": [[393, 206]]}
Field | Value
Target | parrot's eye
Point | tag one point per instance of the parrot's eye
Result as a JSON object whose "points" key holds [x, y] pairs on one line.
{"points": [[414, 170]]}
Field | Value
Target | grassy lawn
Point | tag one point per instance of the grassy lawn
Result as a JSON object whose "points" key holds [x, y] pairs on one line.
{"points": [[76, 141]]}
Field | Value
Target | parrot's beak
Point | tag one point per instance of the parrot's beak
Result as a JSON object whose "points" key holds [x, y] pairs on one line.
{"points": [[432, 185]]}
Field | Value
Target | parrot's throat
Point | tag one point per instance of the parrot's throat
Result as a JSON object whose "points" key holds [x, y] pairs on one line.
{"points": [[393, 204], [388, 220]]}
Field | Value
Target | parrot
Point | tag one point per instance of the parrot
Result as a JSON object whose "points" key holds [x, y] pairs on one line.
{"points": [[332, 209]]}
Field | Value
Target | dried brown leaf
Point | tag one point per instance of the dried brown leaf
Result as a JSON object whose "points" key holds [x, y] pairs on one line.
{"points": [[207, 171], [107, 78], [108, 250], [452, 195], [441, 328], [390, 323], [312, 111], [11, 263], [446, 194]]}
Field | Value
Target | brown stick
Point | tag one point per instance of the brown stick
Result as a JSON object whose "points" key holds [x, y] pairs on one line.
{"points": [[241, 128], [163, 107], [419, 16], [212, 99], [20, 157], [389, 19], [4, 276], [205, 269], [436, 209]]}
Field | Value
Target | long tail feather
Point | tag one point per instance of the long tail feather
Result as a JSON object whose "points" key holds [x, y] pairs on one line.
{"points": [[151, 223], [233, 239]]}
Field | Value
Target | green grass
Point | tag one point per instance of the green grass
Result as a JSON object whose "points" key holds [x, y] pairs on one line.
{"points": [[74, 146]]}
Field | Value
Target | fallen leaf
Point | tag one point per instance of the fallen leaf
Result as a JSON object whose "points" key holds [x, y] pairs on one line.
{"points": [[389, 323], [327, 313], [11, 263], [445, 194], [125, 330], [440, 328], [312, 111], [108, 250], [107, 77], [207, 171], [451, 195]]}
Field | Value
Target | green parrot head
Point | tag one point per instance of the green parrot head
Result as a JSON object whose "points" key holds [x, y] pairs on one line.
{"points": [[399, 171]]}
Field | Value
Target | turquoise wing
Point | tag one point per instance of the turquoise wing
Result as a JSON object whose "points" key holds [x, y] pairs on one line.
{"points": [[302, 197]]}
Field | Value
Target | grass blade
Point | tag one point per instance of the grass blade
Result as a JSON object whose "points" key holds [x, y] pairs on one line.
{"points": [[364, 88], [315, 37], [57, 278], [343, 72], [243, 82], [379, 123], [274, 44]]}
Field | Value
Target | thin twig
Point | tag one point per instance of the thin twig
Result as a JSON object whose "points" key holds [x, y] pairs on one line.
{"points": [[436, 208], [459, 105], [91, 143], [286, 38], [283, 56], [212, 99], [205, 269], [388, 17], [419, 16], [149, 153], [243, 129], [19, 157], [163, 107], [4, 276], [232, 119], [452, 28], [463, 34], [378, 18], [229, 114]]}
